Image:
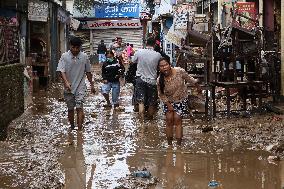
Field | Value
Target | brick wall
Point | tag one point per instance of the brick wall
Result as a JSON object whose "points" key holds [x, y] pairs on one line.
{"points": [[11, 94]]}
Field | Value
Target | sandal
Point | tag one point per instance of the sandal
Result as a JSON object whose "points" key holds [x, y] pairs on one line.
{"points": [[119, 108], [107, 106]]}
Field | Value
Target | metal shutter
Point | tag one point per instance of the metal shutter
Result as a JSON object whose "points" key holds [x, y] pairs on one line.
{"points": [[85, 37], [131, 36]]}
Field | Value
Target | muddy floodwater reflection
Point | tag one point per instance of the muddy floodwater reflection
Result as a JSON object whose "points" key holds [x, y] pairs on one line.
{"points": [[115, 143], [110, 149]]}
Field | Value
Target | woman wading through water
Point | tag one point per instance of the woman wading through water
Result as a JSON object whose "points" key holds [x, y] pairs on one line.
{"points": [[172, 90]]}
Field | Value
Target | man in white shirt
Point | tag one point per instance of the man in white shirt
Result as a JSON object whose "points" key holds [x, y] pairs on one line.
{"points": [[146, 83], [73, 65]]}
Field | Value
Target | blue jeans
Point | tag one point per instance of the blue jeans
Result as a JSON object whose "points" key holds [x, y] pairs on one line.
{"points": [[115, 87], [102, 58]]}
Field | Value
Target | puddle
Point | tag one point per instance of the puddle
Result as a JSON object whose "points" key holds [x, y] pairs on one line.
{"points": [[104, 161], [41, 153]]}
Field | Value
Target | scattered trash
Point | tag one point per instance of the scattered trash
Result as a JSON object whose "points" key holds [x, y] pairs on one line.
{"points": [[94, 115], [207, 129], [88, 122], [61, 100], [143, 174], [213, 184], [273, 158], [120, 109], [271, 147], [120, 187], [275, 118], [246, 114]]}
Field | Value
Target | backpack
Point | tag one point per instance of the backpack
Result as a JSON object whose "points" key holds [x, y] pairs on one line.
{"points": [[131, 73]]}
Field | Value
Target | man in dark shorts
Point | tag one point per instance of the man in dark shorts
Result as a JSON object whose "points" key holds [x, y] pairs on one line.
{"points": [[73, 66], [146, 82]]}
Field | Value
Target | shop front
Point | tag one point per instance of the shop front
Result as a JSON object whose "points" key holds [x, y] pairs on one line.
{"points": [[111, 21], [38, 43], [47, 30], [129, 30], [11, 69]]}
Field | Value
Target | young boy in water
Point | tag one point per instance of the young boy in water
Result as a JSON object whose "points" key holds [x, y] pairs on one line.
{"points": [[111, 72], [73, 65]]}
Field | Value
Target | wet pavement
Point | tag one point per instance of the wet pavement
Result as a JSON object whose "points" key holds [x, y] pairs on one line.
{"points": [[41, 152]]}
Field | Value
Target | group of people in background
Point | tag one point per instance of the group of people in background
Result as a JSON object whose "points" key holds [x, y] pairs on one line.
{"points": [[149, 71]]}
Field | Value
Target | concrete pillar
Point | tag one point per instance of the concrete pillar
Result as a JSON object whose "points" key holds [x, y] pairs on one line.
{"points": [[219, 12], [282, 47], [260, 10]]}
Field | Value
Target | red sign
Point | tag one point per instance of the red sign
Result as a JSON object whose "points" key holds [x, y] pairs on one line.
{"points": [[248, 12], [109, 24]]}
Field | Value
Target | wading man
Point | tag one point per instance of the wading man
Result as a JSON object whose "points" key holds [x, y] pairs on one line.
{"points": [[146, 94], [73, 65]]}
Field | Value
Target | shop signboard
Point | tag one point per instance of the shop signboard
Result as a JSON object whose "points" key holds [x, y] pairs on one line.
{"points": [[200, 23], [9, 37], [248, 10], [111, 24], [175, 36], [227, 3], [169, 49], [62, 16], [74, 24], [123, 10], [226, 15], [183, 13], [38, 10], [145, 16]]}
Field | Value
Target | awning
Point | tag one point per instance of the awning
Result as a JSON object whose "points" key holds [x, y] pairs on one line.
{"points": [[74, 24]]}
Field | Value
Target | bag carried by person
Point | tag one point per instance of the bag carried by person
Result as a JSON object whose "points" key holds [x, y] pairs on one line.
{"points": [[131, 73]]}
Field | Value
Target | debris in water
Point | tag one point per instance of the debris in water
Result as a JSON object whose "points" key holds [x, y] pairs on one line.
{"points": [[213, 184], [94, 115], [143, 174], [275, 118], [120, 109], [207, 129], [273, 158], [61, 100]]}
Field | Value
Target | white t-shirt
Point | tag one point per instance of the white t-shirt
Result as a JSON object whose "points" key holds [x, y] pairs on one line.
{"points": [[147, 62], [75, 68]]}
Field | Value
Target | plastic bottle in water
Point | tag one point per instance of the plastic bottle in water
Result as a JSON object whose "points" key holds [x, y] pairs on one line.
{"points": [[213, 184], [142, 174]]}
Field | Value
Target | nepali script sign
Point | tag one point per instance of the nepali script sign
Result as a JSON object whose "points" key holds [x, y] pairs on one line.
{"points": [[124, 10], [183, 13], [110, 24]]}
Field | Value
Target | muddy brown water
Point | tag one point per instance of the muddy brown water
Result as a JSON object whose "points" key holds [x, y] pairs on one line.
{"points": [[114, 144], [101, 160]]}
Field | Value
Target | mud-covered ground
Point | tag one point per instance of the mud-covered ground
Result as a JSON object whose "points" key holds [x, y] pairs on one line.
{"points": [[243, 151]]}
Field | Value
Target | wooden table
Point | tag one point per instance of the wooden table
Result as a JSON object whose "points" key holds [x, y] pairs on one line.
{"points": [[239, 85]]}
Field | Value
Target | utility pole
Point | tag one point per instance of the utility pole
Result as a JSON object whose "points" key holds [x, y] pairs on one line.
{"points": [[64, 4], [282, 47], [260, 13]]}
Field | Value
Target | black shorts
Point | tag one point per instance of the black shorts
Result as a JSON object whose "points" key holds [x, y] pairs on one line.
{"points": [[145, 93]]}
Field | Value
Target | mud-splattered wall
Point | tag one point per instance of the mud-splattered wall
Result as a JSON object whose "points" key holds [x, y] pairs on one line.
{"points": [[11, 94]]}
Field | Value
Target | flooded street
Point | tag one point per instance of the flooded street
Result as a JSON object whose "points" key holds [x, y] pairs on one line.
{"points": [[41, 152]]}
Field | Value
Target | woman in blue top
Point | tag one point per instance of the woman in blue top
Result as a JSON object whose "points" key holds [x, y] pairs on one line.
{"points": [[111, 72]]}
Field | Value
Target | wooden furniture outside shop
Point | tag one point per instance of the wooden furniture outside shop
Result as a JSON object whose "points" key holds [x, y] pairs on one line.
{"points": [[196, 57], [39, 54], [247, 89], [237, 65]]}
